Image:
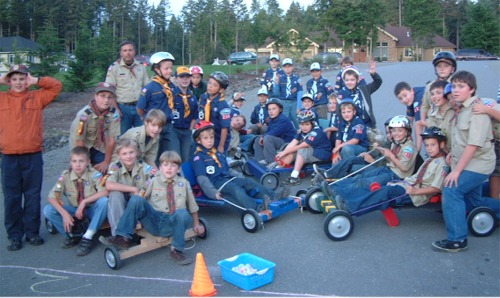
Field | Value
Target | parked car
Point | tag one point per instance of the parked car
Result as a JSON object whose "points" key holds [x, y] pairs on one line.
{"points": [[241, 58], [143, 59], [474, 54], [328, 57]]}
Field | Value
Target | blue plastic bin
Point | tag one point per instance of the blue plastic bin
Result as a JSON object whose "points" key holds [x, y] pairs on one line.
{"points": [[264, 276]]}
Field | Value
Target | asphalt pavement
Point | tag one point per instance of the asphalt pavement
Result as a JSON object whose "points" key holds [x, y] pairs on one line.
{"points": [[376, 260]]}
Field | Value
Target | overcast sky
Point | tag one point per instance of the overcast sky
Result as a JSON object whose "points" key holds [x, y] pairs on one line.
{"points": [[176, 5]]}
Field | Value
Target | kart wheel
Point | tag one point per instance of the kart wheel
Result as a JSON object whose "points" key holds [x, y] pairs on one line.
{"points": [[481, 221], [251, 221], [270, 180], [301, 192], [313, 199], [245, 168], [112, 257], [338, 225], [204, 223], [50, 227]]}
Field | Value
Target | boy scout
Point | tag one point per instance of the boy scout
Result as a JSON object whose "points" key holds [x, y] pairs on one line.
{"points": [[86, 197], [96, 126]]}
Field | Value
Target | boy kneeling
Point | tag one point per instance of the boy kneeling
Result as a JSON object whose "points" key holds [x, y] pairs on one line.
{"points": [[159, 216], [81, 185]]}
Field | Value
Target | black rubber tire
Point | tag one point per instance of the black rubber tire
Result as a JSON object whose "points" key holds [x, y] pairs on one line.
{"points": [[112, 257], [338, 225], [481, 221], [270, 180], [251, 221], [312, 196]]}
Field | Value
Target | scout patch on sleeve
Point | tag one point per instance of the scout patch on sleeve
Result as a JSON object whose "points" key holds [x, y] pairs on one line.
{"points": [[225, 113], [196, 158], [312, 136], [408, 152], [358, 128], [97, 176]]}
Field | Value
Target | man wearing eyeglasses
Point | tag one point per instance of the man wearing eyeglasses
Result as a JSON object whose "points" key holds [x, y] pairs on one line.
{"points": [[96, 127]]}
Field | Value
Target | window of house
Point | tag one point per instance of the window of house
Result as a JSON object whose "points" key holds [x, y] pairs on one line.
{"points": [[11, 59], [380, 53], [437, 50], [408, 52]]}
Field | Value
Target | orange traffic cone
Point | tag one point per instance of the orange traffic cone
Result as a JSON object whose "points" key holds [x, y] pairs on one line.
{"points": [[202, 283]]}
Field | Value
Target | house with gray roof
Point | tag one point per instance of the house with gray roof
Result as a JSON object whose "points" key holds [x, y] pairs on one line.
{"points": [[20, 46]]}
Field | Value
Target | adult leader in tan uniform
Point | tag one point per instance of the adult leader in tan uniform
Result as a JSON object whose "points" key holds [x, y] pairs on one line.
{"points": [[129, 76]]}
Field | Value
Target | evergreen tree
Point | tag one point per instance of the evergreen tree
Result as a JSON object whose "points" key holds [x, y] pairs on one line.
{"points": [[482, 28]]}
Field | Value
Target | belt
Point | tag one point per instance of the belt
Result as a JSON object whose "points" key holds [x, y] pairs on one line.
{"points": [[129, 103]]}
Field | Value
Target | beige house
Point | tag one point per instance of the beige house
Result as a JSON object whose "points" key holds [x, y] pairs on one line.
{"points": [[396, 44], [292, 45], [16, 45]]}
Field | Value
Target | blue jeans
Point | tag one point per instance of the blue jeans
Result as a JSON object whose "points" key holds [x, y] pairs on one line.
{"points": [[290, 110], [181, 142], [457, 200], [96, 156], [349, 151], [363, 180], [22, 176], [130, 118], [243, 192], [165, 140], [246, 142], [345, 166], [361, 202], [96, 213], [155, 222]]}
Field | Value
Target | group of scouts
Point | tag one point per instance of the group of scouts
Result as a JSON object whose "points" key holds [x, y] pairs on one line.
{"points": [[129, 142]]}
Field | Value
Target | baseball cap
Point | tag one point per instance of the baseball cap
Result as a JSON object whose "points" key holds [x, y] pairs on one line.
{"points": [[262, 90], [182, 71], [235, 94], [315, 66], [275, 56], [105, 86], [17, 68], [287, 61]]}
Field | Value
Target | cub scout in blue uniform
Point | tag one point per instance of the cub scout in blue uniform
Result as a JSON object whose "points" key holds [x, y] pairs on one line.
{"points": [[213, 108], [159, 95], [309, 145], [320, 88], [125, 178], [290, 88], [412, 99], [351, 136], [269, 76], [216, 179], [184, 112], [96, 127], [167, 209], [147, 136], [260, 117], [237, 103], [279, 132], [86, 197]]}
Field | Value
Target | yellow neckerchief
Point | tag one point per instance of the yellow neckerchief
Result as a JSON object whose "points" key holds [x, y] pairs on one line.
{"points": [[187, 109], [208, 104], [166, 87], [211, 152]]}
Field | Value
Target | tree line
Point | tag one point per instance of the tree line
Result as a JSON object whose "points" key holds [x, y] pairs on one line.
{"points": [[206, 29]]}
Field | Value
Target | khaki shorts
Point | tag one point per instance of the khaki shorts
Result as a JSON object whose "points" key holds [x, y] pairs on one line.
{"points": [[307, 155]]}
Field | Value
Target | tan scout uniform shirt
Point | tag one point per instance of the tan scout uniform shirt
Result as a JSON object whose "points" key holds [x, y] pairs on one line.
{"points": [[443, 121], [89, 132], [66, 185], [474, 130], [148, 152], [433, 177], [406, 156], [496, 124], [128, 80], [156, 194], [141, 173]]}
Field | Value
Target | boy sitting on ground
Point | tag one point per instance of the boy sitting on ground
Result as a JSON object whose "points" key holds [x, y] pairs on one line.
{"points": [[86, 197]]}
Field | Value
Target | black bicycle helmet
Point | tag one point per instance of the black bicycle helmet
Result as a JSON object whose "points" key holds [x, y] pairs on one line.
{"points": [[221, 78], [447, 56], [433, 132], [275, 101]]}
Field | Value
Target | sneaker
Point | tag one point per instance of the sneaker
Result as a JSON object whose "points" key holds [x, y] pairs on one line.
{"points": [[119, 241], [15, 245], [238, 153], [35, 240], [292, 181], [320, 172], [263, 162], [450, 246], [179, 257], [70, 242], [85, 247], [272, 165]]}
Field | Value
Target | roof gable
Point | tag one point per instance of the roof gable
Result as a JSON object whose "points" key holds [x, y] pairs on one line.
{"points": [[17, 43], [404, 38]]}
